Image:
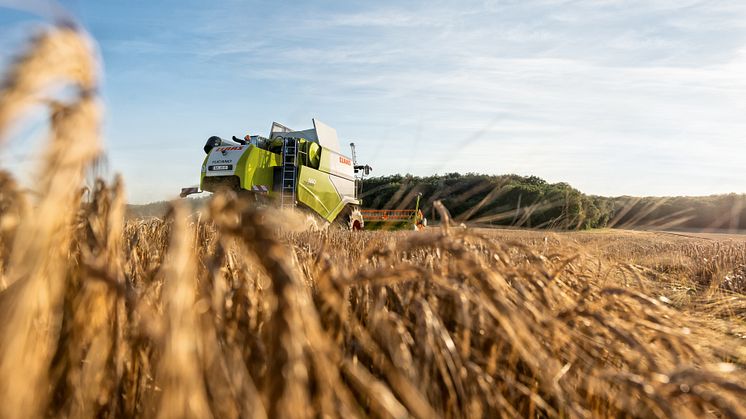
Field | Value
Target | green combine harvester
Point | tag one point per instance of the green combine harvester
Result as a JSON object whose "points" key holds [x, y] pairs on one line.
{"points": [[292, 168]]}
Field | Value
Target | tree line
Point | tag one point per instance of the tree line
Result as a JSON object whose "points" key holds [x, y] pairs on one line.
{"points": [[529, 201]]}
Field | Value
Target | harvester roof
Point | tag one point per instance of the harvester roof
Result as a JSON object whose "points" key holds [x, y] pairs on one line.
{"points": [[321, 133]]}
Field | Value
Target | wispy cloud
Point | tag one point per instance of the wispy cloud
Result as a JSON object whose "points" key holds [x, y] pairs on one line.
{"points": [[634, 96], [648, 90]]}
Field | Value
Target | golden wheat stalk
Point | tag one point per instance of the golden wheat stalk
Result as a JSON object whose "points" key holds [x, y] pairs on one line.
{"points": [[37, 268], [225, 315]]}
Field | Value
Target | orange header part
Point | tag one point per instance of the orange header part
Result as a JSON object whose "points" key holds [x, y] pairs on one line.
{"points": [[387, 215]]}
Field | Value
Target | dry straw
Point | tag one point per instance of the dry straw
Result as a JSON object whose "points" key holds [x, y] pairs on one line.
{"points": [[225, 315]]}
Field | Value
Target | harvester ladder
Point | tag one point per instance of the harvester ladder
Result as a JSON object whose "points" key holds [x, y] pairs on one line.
{"points": [[289, 172]]}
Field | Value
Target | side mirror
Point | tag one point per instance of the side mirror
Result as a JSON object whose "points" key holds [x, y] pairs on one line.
{"points": [[366, 169]]}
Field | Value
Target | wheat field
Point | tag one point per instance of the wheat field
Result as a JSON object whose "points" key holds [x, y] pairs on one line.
{"points": [[224, 314]]}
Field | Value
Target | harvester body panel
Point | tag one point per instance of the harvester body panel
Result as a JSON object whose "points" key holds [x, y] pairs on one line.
{"points": [[247, 166], [325, 193], [336, 164], [258, 168]]}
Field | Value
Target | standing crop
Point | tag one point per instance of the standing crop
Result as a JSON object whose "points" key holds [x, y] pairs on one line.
{"points": [[223, 314]]}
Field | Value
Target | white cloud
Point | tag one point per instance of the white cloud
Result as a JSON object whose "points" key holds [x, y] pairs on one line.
{"points": [[615, 97]]}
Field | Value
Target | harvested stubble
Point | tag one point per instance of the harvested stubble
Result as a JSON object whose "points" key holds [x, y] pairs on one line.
{"points": [[224, 315]]}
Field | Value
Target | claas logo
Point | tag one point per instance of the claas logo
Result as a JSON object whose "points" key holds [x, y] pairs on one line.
{"points": [[345, 160]]}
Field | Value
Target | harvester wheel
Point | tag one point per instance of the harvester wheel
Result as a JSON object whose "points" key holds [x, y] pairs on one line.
{"points": [[349, 218], [356, 220]]}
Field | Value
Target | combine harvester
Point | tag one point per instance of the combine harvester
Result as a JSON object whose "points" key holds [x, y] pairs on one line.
{"points": [[295, 169]]}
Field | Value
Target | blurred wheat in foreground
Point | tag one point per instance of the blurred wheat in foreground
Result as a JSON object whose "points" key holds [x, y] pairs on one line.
{"points": [[224, 315]]}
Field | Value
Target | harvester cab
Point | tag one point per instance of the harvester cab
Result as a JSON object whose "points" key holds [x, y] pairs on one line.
{"points": [[293, 168]]}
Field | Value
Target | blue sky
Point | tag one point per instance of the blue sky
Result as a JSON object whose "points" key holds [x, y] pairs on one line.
{"points": [[614, 97]]}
